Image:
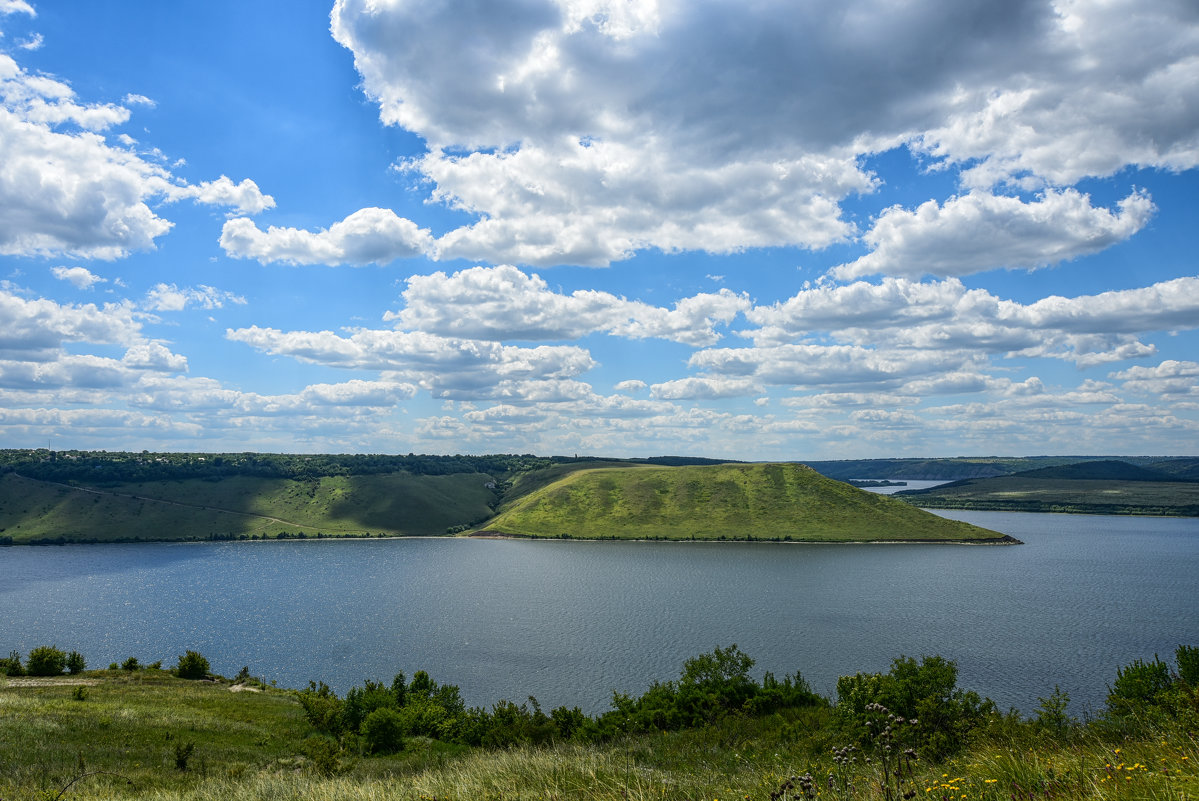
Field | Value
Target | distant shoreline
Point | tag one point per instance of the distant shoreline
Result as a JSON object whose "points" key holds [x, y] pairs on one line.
{"points": [[500, 535]]}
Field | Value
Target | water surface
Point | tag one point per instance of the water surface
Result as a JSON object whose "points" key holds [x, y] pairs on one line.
{"points": [[571, 621]]}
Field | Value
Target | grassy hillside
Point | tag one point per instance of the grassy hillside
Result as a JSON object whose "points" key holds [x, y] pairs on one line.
{"points": [[242, 506], [1107, 487], [731, 501], [124, 736]]}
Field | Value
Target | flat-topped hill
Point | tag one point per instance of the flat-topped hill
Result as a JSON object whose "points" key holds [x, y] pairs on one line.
{"points": [[1108, 487], [788, 502], [1106, 470]]}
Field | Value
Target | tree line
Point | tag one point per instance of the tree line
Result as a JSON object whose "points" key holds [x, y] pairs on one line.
{"points": [[114, 467]]}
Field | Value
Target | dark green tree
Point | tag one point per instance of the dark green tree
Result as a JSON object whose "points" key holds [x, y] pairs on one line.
{"points": [[383, 731], [75, 663], [46, 660], [192, 665]]}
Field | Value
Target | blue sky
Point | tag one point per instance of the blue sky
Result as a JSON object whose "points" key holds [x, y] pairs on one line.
{"points": [[745, 230]]}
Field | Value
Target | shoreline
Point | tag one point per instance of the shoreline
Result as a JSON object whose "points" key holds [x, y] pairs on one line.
{"points": [[499, 535], [1005, 539]]}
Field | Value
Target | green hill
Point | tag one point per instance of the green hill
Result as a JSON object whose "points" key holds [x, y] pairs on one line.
{"points": [[1105, 487], [787, 502], [1105, 470], [241, 507]]}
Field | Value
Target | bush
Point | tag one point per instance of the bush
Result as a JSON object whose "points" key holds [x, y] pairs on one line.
{"points": [[325, 755], [383, 731], [323, 708], [131, 664], [360, 702], [183, 753], [1187, 658], [1138, 686], [192, 665], [925, 691], [46, 660], [1052, 715], [11, 665], [75, 663]]}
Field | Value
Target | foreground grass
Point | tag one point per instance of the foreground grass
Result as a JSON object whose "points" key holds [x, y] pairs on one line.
{"points": [[121, 742]]}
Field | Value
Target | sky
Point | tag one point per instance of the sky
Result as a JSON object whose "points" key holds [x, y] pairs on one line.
{"points": [[745, 229]]}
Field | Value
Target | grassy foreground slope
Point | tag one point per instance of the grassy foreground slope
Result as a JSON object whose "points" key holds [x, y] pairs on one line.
{"points": [[242, 506], [789, 502], [145, 734], [1104, 487]]}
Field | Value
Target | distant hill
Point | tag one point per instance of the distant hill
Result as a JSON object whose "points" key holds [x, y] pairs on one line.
{"points": [[1182, 469], [1106, 470], [966, 467], [951, 469], [1093, 487], [729, 501]]}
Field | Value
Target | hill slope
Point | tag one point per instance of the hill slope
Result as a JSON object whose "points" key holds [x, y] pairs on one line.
{"points": [[788, 502], [241, 506]]}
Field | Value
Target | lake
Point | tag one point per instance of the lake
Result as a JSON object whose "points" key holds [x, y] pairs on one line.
{"points": [[571, 621]]}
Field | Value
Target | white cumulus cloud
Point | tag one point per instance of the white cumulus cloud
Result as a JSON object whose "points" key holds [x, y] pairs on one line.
{"points": [[583, 132], [981, 231], [78, 277], [169, 297], [66, 190], [367, 236], [503, 303]]}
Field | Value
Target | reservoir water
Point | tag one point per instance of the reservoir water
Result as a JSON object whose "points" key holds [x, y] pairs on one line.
{"points": [[571, 621]]}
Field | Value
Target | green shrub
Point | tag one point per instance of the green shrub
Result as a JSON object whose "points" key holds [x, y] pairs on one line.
{"points": [[79, 694], [11, 665], [1051, 715], [75, 663], [1187, 659], [924, 691], [325, 755], [183, 753], [192, 665], [323, 708], [46, 660], [361, 701], [1138, 686], [131, 664], [383, 731]]}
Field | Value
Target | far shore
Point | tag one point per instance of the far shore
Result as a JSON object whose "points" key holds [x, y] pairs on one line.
{"points": [[500, 535]]}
